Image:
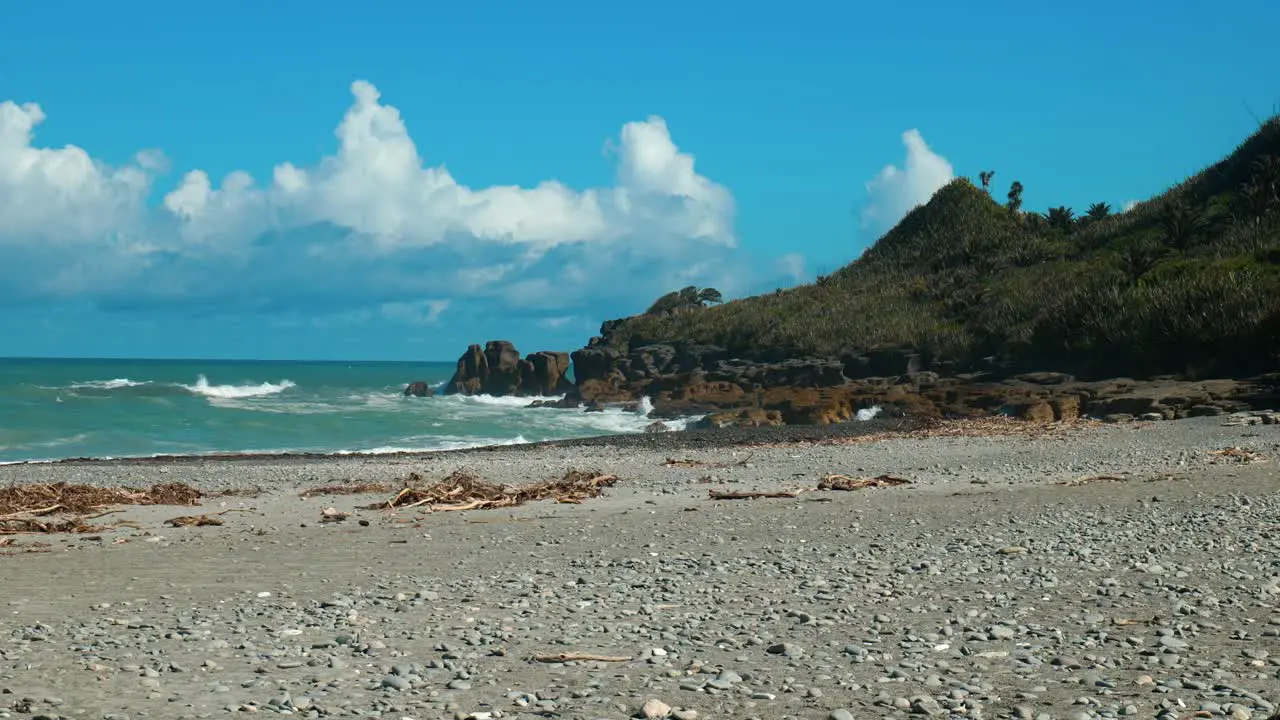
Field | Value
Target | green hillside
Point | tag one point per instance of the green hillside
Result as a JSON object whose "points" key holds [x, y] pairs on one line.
{"points": [[1185, 283]]}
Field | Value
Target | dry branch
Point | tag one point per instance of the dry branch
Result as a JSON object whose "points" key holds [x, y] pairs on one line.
{"points": [[201, 520], [847, 482], [1238, 454], [751, 495], [352, 489], [1091, 479], [463, 491], [573, 656], [688, 463]]}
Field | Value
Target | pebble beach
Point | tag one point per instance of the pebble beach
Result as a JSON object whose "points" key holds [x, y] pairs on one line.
{"points": [[1049, 572]]}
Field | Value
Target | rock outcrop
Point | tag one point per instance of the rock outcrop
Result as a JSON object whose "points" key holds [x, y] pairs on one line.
{"points": [[419, 389], [498, 369], [685, 379]]}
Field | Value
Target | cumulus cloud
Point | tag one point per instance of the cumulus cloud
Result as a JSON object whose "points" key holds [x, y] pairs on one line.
{"points": [[791, 266], [895, 191], [371, 224], [62, 195], [1128, 205], [422, 312]]}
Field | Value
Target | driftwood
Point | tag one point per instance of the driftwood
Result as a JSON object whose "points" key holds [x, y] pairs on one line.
{"points": [[463, 491], [28, 500], [1239, 455], [201, 520], [352, 489], [751, 495], [1091, 479], [331, 514], [573, 656], [26, 509], [687, 463], [847, 482]]}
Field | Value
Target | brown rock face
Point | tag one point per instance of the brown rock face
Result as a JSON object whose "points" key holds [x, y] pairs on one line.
{"points": [[746, 417], [473, 370], [504, 368], [546, 373], [498, 370]]}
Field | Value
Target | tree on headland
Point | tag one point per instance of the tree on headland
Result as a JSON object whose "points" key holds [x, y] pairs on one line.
{"points": [[1061, 217], [1098, 211], [985, 177], [1015, 196], [687, 298], [1182, 225]]}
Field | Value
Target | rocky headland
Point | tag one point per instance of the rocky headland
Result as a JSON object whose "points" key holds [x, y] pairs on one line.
{"points": [[684, 379], [969, 307]]}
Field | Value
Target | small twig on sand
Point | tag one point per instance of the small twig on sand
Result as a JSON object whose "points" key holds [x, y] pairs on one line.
{"points": [[749, 495], [1090, 479], [571, 657], [847, 482]]}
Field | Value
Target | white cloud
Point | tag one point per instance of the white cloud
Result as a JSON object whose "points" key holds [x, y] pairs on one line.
{"points": [[555, 322], [421, 312], [377, 186], [370, 226], [63, 195], [791, 266], [1128, 205], [894, 191]]}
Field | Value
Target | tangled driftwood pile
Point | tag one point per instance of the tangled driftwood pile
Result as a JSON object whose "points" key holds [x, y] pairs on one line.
{"points": [[65, 508], [464, 491]]}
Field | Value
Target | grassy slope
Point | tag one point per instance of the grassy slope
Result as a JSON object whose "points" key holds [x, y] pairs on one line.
{"points": [[962, 278]]}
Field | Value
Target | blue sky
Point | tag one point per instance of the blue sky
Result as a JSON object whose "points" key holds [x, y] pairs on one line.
{"points": [[290, 180]]}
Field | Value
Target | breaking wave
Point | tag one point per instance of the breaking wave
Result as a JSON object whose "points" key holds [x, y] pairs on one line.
{"points": [[235, 392]]}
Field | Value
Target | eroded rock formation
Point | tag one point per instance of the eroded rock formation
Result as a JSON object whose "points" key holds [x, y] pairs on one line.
{"points": [[498, 369]]}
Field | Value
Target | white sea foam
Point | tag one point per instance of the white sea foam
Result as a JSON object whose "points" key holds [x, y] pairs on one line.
{"points": [[114, 384], [232, 392], [435, 444], [497, 401]]}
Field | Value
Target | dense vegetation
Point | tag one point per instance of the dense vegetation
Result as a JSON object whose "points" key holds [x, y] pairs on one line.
{"points": [[1185, 283]]}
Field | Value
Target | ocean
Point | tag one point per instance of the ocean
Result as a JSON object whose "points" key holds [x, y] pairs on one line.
{"points": [[54, 408]]}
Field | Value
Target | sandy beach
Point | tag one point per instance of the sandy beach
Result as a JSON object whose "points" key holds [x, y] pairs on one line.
{"points": [[1075, 571]]}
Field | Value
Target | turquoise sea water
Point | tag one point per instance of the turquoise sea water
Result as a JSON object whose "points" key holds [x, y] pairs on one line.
{"points": [[51, 409]]}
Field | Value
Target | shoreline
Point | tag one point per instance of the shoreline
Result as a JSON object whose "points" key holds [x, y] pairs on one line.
{"points": [[672, 439]]}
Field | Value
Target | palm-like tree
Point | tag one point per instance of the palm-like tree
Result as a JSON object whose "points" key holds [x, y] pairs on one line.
{"points": [[1139, 258], [1098, 211], [1061, 217], [985, 177], [1182, 224], [1015, 196]]}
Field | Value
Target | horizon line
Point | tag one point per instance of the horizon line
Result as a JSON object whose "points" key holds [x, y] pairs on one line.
{"points": [[4, 358]]}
